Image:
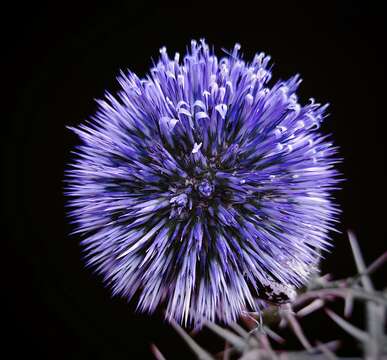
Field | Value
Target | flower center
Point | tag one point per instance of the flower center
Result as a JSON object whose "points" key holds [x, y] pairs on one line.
{"points": [[196, 195], [205, 188]]}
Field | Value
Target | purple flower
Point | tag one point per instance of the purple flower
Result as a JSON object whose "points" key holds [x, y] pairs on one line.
{"points": [[204, 187]]}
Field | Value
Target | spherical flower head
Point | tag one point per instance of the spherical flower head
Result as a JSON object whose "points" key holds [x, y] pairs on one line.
{"points": [[204, 188]]}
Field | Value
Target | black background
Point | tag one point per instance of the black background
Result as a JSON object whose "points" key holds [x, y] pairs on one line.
{"points": [[58, 58]]}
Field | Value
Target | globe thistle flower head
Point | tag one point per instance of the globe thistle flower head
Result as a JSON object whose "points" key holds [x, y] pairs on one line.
{"points": [[204, 188]]}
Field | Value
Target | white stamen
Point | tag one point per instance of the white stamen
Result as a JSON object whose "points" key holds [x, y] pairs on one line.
{"points": [[196, 148]]}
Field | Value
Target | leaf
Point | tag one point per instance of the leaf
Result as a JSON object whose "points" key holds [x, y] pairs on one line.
{"points": [[326, 351], [240, 330], [374, 311], [377, 263], [376, 297], [312, 307], [233, 339], [252, 355], [348, 327], [348, 305], [279, 339], [267, 346], [361, 268], [226, 352], [297, 329], [157, 353], [198, 350]]}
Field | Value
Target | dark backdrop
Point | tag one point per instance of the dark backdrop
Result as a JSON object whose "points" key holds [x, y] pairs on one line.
{"points": [[58, 58]]}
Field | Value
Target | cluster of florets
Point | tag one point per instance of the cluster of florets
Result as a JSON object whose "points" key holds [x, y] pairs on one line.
{"points": [[204, 188]]}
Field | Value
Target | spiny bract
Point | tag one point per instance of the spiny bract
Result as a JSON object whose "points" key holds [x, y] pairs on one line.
{"points": [[204, 188]]}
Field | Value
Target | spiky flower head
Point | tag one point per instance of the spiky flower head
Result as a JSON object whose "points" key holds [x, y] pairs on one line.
{"points": [[203, 187]]}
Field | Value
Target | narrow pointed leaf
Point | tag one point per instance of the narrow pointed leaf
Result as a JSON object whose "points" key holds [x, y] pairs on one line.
{"points": [[157, 353], [197, 349], [348, 327], [233, 339]]}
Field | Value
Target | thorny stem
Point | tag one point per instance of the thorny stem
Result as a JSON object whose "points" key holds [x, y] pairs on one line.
{"points": [[320, 291]]}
